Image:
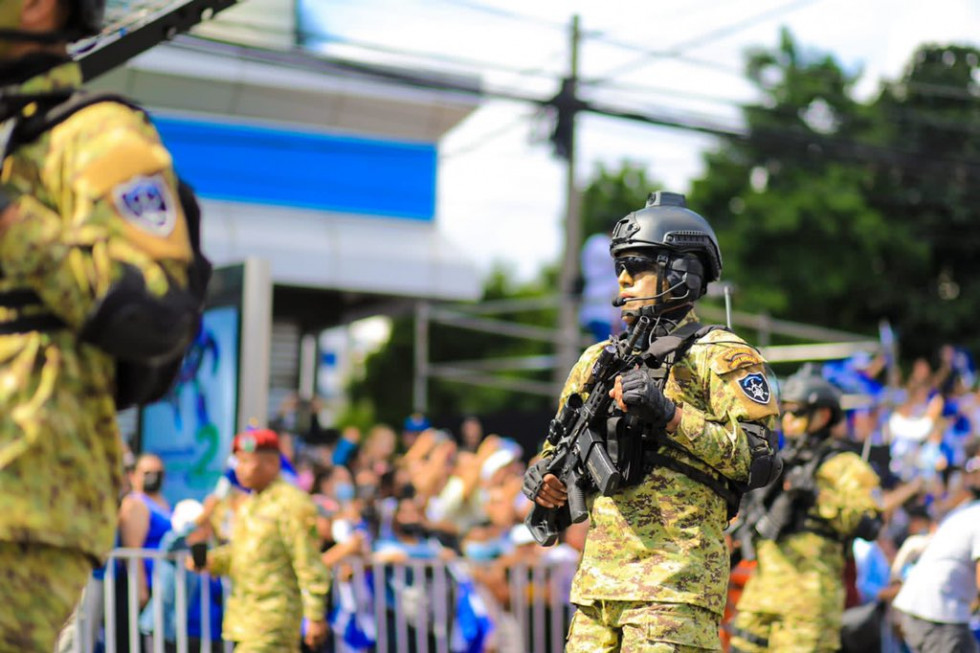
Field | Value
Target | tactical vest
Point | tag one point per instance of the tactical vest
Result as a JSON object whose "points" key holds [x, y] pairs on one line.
{"points": [[806, 464], [636, 451], [138, 381]]}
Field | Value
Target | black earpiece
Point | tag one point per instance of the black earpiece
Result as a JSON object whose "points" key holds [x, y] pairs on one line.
{"points": [[685, 274]]}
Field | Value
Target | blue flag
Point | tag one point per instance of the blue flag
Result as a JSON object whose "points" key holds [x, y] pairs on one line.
{"points": [[471, 623], [353, 617]]}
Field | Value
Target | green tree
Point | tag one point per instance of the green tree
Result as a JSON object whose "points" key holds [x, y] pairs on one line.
{"points": [[805, 204], [930, 190]]}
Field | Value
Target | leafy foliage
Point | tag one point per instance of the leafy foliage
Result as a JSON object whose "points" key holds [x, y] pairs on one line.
{"points": [[839, 213]]}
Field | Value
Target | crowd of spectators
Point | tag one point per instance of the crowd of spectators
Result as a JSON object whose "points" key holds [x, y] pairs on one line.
{"points": [[427, 494]]}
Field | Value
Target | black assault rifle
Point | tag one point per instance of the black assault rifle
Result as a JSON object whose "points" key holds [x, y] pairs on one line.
{"points": [[578, 436]]}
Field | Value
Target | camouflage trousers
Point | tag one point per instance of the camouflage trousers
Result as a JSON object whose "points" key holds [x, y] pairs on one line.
{"points": [[269, 646], [755, 632], [39, 587], [642, 627]]}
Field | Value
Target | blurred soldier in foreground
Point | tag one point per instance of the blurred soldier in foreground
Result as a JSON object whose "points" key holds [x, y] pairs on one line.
{"points": [[94, 252], [802, 526], [273, 558], [688, 430]]}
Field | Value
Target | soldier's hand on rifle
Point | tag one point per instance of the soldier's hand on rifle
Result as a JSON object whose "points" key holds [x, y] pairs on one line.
{"points": [[636, 392], [798, 483], [543, 487]]}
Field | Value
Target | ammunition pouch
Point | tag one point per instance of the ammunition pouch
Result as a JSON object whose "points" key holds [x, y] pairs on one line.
{"points": [[626, 448], [131, 324], [765, 465]]}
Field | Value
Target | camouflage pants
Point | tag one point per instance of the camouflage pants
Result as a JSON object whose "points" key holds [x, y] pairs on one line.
{"points": [[642, 627], [755, 632], [39, 587], [268, 646]]}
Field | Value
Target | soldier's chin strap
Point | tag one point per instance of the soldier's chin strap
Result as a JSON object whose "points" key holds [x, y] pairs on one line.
{"points": [[663, 321], [46, 38]]}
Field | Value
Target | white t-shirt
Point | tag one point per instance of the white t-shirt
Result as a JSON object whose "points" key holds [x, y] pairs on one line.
{"points": [[943, 583]]}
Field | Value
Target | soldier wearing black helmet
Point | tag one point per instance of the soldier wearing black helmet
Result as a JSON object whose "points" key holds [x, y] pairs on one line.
{"points": [[697, 419], [802, 524], [89, 224]]}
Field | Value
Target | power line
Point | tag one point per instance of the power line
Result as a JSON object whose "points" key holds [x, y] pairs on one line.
{"points": [[505, 13], [713, 35], [486, 138]]}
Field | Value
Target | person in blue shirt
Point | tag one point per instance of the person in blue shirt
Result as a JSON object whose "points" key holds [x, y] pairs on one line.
{"points": [[190, 525], [144, 517]]}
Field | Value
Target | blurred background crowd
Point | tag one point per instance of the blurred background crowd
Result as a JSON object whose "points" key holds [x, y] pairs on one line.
{"points": [[420, 493]]}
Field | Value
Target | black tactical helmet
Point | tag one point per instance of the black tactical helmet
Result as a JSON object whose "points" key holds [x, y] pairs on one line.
{"points": [[807, 388], [667, 223], [85, 18]]}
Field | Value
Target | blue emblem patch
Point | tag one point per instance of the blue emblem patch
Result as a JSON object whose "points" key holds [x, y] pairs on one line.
{"points": [[148, 203], [756, 387]]}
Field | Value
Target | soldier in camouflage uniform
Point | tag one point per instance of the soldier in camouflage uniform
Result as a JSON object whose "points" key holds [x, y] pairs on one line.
{"points": [[654, 572], [66, 236], [803, 524], [273, 559]]}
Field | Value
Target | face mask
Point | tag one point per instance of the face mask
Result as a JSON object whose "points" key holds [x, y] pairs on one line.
{"points": [[481, 550], [411, 529], [344, 492], [152, 482], [366, 491]]}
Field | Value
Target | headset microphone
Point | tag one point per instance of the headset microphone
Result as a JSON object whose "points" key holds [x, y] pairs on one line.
{"points": [[622, 301]]}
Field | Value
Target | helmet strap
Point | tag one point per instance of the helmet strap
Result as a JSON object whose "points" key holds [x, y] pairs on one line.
{"points": [[46, 38]]}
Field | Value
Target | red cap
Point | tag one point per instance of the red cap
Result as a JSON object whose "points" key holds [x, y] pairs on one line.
{"points": [[256, 440]]}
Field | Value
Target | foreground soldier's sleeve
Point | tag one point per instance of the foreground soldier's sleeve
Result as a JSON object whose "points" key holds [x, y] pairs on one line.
{"points": [[732, 376], [298, 528], [108, 198]]}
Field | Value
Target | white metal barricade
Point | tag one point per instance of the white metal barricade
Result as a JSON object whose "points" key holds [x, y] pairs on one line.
{"points": [[402, 608]]}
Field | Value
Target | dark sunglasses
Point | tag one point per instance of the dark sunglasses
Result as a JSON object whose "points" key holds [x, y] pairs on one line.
{"points": [[634, 265], [798, 411]]}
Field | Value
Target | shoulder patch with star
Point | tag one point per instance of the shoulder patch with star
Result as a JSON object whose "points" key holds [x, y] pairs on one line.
{"points": [[756, 387]]}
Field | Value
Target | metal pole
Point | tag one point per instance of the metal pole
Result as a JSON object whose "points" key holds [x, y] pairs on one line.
{"points": [[568, 327], [420, 385]]}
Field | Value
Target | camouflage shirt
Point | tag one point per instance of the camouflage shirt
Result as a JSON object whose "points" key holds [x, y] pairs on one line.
{"points": [[801, 574], [663, 540], [60, 454], [274, 564]]}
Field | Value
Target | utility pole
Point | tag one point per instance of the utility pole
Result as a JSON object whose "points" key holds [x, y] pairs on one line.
{"points": [[567, 106]]}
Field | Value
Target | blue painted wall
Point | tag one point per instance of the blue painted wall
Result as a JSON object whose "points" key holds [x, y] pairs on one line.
{"points": [[261, 165]]}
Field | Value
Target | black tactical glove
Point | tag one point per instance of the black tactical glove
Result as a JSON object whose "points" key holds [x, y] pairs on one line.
{"points": [[641, 395], [534, 478]]}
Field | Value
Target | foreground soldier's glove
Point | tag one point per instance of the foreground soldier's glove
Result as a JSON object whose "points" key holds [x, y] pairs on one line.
{"points": [[641, 395], [534, 478]]}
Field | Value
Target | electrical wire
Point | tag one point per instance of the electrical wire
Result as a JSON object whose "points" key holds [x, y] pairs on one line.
{"points": [[701, 39]]}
